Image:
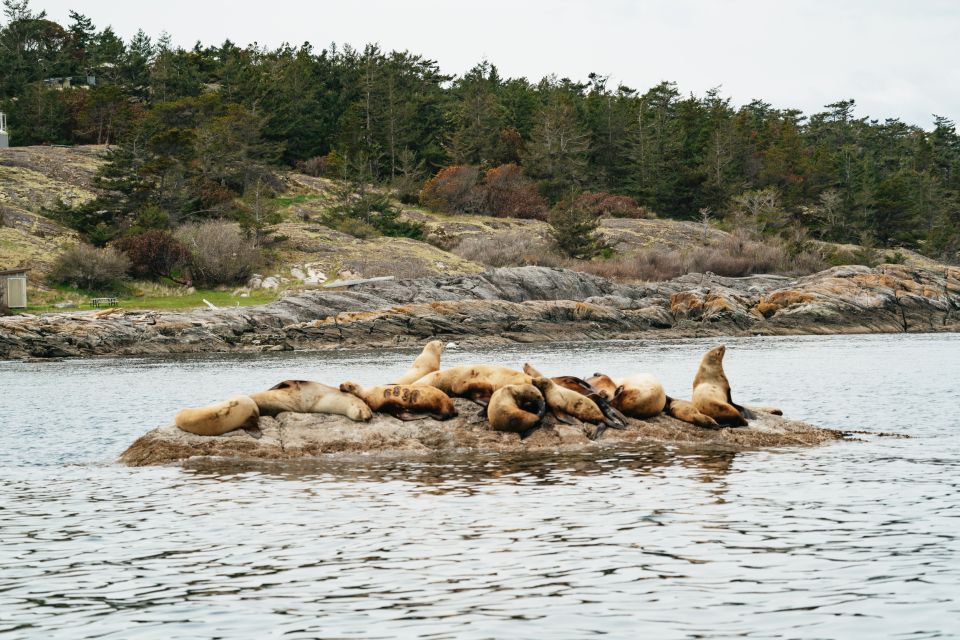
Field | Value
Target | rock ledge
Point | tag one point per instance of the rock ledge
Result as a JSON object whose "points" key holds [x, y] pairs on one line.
{"points": [[291, 436]]}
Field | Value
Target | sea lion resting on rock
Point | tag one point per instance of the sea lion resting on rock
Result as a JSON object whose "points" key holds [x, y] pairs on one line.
{"points": [[516, 407], [638, 396], [302, 396], [643, 395], [476, 382], [571, 396], [239, 412], [403, 401], [427, 362], [711, 392]]}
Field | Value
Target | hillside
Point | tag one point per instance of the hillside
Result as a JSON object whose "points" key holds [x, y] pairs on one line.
{"points": [[35, 177]]}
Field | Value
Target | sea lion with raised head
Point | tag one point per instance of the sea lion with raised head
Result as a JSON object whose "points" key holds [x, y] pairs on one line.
{"points": [[238, 412], [516, 407], [711, 392], [476, 382], [427, 362], [404, 401], [304, 396]]}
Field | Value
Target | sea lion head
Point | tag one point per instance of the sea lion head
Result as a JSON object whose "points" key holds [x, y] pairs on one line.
{"points": [[541, 383], [529, 398], [715, 355], [434, 346]]}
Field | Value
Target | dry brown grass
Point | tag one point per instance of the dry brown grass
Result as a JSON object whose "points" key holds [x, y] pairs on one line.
{"points": [[737, 255], [509, 250]]}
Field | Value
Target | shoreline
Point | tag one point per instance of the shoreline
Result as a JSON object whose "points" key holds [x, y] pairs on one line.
{"points": [[525, 305]]}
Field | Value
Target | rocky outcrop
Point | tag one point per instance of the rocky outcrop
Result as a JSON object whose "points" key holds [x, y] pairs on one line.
{"points": [[291, 436], [524, 304]]}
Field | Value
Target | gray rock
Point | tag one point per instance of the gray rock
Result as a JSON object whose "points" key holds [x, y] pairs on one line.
{"points": [[524, 304]]}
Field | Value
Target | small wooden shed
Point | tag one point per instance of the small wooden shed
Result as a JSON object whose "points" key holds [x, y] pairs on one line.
{"points": [[13, 288]]}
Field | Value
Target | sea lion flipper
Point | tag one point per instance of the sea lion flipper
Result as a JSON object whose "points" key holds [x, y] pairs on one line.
{"points": [[254, 431], [748, 414], [613, 425], [599, 431], [407, 416], [563, 417]]}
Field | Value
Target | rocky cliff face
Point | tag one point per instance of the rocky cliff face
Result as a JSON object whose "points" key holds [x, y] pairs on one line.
{"points": [[523, 304], [297, 435]]}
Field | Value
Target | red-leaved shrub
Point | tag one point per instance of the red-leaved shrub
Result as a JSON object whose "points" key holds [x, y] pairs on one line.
{"points": [[453, 190], [510, 194], [602, 204]]}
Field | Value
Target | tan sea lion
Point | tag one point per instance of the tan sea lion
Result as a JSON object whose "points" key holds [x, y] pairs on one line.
{"points": [[687, 412], [427, 362], [711, 391], [604, 385], [476, 382], [404, 401], [566, 393], [639, 396], [516, 407], [238, 412], [303, 396]]}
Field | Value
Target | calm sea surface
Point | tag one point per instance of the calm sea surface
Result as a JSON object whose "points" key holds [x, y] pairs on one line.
{"points": [[848, 540]]}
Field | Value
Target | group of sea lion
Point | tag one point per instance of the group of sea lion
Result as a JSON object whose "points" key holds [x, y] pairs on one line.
{"points": [[516, 401]]}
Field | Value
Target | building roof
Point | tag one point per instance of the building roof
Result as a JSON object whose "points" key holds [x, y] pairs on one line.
{"points": [[13, 272]]}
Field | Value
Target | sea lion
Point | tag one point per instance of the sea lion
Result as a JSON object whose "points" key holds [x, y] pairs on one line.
{"points": [[427, 362], [516, 407], [238, 412], [604, 385], [303, 396], [687, 412], [639, 396], [569, 388], [403, 401], [476, 382], [711, 392]]}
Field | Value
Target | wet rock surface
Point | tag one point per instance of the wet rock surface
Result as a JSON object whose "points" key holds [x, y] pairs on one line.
{"points": [[292, 436], [523, 304]]}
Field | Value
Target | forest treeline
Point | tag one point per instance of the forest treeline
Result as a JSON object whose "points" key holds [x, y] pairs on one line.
{"points": [[197, 131]]}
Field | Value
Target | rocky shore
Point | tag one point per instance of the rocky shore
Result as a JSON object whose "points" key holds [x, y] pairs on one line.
{"points": [[290, 436], [523, 304]]}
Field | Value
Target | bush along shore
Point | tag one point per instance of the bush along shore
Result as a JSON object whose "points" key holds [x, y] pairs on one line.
{"points": [[522, 304]]}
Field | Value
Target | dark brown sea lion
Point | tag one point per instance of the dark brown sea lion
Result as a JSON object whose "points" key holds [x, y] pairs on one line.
{"points": [[304, 396], [476, 382], [711, 392], [427, 362], [239, 412], [516, 407], [404, 401]]}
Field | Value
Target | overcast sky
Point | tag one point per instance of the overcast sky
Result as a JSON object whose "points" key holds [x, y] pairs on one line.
{"points": [[897, 58]]}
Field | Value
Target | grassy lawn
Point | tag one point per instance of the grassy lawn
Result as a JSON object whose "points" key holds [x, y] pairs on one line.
{"points": [[173, 302]]}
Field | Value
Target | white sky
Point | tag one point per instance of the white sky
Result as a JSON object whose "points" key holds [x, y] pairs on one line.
{"points": [[897, 58]]}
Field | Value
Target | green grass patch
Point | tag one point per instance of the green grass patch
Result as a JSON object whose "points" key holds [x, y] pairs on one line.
{"points": [[172, 301], [297, 199]]}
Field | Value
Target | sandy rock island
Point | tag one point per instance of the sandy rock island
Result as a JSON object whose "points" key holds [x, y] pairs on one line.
{"points": [[290, 436]]}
